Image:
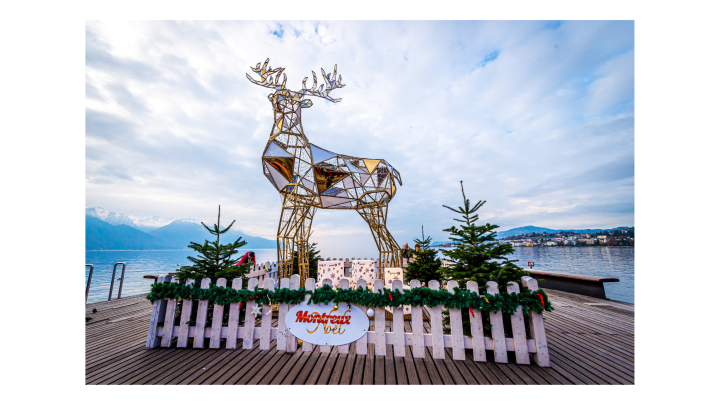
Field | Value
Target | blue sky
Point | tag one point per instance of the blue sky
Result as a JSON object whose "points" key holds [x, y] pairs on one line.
{"points": [[536, 117]]}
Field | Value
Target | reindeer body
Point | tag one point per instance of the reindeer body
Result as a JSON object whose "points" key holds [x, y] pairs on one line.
{"points": [[309, 177]]}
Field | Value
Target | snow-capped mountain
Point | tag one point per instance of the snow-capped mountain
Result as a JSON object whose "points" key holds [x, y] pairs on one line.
{"points": [[146, 223], [113, 218], [97, 212], [151, 221]]}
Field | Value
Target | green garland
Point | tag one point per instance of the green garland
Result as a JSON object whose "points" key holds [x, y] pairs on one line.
{"points": [[461, 299]]}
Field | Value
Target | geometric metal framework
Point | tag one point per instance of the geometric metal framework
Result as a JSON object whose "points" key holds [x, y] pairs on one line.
{"points": [[309, 177]]}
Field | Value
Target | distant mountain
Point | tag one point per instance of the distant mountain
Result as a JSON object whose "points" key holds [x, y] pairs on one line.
{"points": [[529, 229], [99, 235], [522, 231], [112, 218], [180, 233], [115, 231]]}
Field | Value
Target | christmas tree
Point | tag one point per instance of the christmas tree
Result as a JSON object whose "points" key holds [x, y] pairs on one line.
{"points": [[425, 266], [214, 260], [477, 255]]}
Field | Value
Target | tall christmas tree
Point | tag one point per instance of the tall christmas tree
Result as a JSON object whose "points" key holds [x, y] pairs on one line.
{"points": [[425, 266], [214, 260], [477, 256]]}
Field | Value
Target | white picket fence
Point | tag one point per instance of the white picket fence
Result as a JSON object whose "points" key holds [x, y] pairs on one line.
{"points": [[536, 346]]}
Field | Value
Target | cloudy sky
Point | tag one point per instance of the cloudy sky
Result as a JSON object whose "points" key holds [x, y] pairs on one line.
{"points": [[537, 118]]}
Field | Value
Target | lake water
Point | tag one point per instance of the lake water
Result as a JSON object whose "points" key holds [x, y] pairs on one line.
{"points": [[618, 262]]}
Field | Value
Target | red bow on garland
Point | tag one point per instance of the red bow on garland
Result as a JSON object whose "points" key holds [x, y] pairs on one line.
{"points": [[542, 301]]}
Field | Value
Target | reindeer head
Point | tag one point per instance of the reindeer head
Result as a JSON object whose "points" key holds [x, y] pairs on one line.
{"points": [[284, 100]]}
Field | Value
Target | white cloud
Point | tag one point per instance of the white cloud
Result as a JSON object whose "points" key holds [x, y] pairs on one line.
{"points": [[174, 127]]}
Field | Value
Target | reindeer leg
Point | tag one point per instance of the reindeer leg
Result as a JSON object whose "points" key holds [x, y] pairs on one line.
{"points": [[293, 235], [388, 248]]}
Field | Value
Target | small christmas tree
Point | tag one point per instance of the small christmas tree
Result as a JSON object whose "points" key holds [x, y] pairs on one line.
{"points": [[477, 255], [214, 260], [425, 266]]}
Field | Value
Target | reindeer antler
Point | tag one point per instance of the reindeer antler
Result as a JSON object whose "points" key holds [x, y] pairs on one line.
{"points": [[331, 85], [266, 73]]}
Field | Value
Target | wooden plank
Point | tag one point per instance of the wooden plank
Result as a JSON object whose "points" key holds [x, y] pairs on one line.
{"points": [[537, 329], [498, 332], [158, 313], [199, 340], [518, 329], [218, 312], [361, 346], [282, 330], [265, 323], [456, 327], [398, 323], [309, 287], [380, 348], [233, 318], [187, 306], [249, 325], [291, 339], [436, 326], [170, 308], [476, 328], [344, 285], [417, 326]]}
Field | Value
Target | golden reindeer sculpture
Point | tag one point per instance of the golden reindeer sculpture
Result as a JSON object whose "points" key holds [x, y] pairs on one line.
{"points": [[309, 177]]}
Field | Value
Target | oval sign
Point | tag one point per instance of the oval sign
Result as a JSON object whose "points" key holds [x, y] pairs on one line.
{"points": [[322, 324]]}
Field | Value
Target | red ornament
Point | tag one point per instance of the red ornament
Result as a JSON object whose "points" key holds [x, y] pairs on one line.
{"points": [[256, 296], [471, 312], [542, 301]]}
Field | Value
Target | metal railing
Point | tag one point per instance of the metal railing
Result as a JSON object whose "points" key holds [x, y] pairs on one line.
{"points": [[87, 287], [112, 280]]}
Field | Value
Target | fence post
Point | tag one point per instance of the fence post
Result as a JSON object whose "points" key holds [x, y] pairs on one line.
{"points": [[417, 326], [361, 345], [218, 314], [498, 332], [398, 323], [282, 330], [436, 326], [199, 341], [309, 287], [249, 325], [537, 328], [326, 348], [158, 313], [456, 328], [518, 328], [185, 318], [169, 321], [291, 339], [234, 318], [344, 285], [266, 322], [476, 328], [380, 340]]}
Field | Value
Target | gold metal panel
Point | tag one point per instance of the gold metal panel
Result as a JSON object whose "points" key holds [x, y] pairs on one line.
{"points": [[326, 177], [371, 164], [284, 166]]}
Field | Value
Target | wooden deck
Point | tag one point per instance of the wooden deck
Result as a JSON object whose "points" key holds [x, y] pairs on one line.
{"points": [[591, 341]]}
